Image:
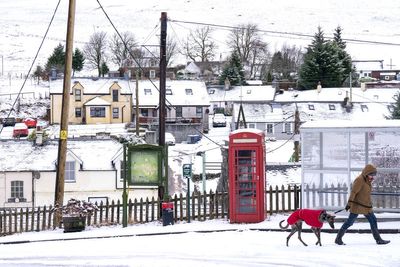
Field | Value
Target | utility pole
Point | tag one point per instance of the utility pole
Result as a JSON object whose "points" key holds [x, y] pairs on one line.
{"points": [[161, 123], [296, 134], [137, 103], [62, 145]]}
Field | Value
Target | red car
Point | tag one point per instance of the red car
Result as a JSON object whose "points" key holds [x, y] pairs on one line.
{"points": [[31, 123], [20, 130]]}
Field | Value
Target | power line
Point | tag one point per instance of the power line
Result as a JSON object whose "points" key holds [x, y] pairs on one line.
{"points": [[285, 33], [33, 62]]}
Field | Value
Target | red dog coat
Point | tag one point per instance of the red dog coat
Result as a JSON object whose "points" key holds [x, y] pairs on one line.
{"points": [[309, 216]]}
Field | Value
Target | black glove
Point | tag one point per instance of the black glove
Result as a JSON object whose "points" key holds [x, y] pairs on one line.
{"points": [[347, 207]]}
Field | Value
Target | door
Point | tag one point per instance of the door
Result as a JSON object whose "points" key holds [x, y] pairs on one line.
{"points": [[246, 178]]}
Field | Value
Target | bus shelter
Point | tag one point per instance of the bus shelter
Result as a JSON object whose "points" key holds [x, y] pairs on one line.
{"points": [[333, 154]]}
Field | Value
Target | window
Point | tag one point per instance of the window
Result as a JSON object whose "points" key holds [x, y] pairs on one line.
{"points": [[199, 112], [270, 128], [188, 91], [78, 112], [390, 108], [152, 74], [115, 113], [115, 95], [144, 112], [70, 171], [98, 112], [332, 107], [211, 92], [252, 125], [147, 91], [288, 127], [311, 107], [168, 91], [249, 91], [78, 95], [178, 112], [17, 189], [364, 108]]}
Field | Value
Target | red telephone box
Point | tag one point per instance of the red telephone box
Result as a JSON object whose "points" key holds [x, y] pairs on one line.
{"points": [[247, 176]]}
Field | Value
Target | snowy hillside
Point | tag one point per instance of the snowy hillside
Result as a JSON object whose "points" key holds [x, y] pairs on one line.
{"points": [[23, 24]]}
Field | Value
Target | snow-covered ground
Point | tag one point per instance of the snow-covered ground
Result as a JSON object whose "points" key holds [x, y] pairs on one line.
{"points": [[192, 244]]}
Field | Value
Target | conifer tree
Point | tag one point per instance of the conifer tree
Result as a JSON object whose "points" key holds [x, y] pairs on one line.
{"points": [[395, 114], [78, 60], [326, 62], [57, 59], [233, 71]]}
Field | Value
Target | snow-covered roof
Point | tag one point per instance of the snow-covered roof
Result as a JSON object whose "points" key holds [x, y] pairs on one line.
{"points": [[97, 101], [24, 156], [242, 93], [178, 93], [340, 124], [260, 112], [94, 86], [338, 94]]}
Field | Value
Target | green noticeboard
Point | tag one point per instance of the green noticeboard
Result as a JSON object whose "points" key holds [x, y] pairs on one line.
{"points": [[144, 165]]}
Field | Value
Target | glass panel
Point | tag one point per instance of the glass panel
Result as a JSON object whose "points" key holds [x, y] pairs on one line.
{"points": [[384, 149], [335, 149], [357, 158], [311, 150], [245, 179]]}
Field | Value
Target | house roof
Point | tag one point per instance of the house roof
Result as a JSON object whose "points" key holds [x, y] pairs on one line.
{"points": [[97, 101], [94, 86], [176, 93], [24, 156], [242, 93], [376, 95]]}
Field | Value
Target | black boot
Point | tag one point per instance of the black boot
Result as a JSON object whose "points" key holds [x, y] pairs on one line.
{"points": [[378, 238], [339, 236]]}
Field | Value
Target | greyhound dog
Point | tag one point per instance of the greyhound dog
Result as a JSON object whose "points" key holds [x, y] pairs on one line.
{"points": [[314, 218]]}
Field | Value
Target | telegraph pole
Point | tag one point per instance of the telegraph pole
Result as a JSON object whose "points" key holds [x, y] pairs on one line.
{"points": [[296, 135], [137, 103], [62, 145], [163, 188]]}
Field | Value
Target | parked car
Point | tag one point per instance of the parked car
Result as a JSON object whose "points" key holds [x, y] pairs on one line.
{"points": [[169, 139], [9, 121], [20, 130], [219, 120], [31, 123]]}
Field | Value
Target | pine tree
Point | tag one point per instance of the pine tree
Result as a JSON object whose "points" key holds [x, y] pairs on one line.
{"points": [[396, 108], [57, 59], [77, 61], [104, 69], [326, 62], [233, 71]]}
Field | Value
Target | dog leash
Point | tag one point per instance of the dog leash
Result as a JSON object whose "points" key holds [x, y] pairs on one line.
{"points": [[338, 211]]}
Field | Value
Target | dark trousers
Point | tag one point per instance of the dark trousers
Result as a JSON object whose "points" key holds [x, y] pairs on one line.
{"points": [[371, 219]]}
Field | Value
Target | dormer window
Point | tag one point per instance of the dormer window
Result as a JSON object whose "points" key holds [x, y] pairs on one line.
{"points": [[78, 95], [168, 91], [188, 91], [147, 91], [332, 107], [212, 91], [390, 108], [311, 107], [364, 108], [249, 91]]}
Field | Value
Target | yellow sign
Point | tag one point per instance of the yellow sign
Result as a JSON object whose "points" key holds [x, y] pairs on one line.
{"points": [[63, 134]]}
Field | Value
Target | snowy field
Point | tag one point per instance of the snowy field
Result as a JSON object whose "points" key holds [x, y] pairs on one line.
{"points": [[192, 244]]}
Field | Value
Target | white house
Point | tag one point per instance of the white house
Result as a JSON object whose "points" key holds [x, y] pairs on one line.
{"points": [[93, 173]]}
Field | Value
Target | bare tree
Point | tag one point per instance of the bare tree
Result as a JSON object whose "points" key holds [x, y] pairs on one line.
{"points": [[244, 39], [199, 45], [286, 61], [120, 47], [172, 50], [259, 58], [95, 50]]}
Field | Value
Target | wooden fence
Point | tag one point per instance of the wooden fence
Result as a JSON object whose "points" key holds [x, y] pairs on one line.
{"points": [[203, 207]]}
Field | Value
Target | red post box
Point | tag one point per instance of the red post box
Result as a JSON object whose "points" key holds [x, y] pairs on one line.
{"points": [[247, 176]]}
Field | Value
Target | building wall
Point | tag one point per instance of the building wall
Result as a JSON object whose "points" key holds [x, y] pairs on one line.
{"points": [[124, 106]]}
